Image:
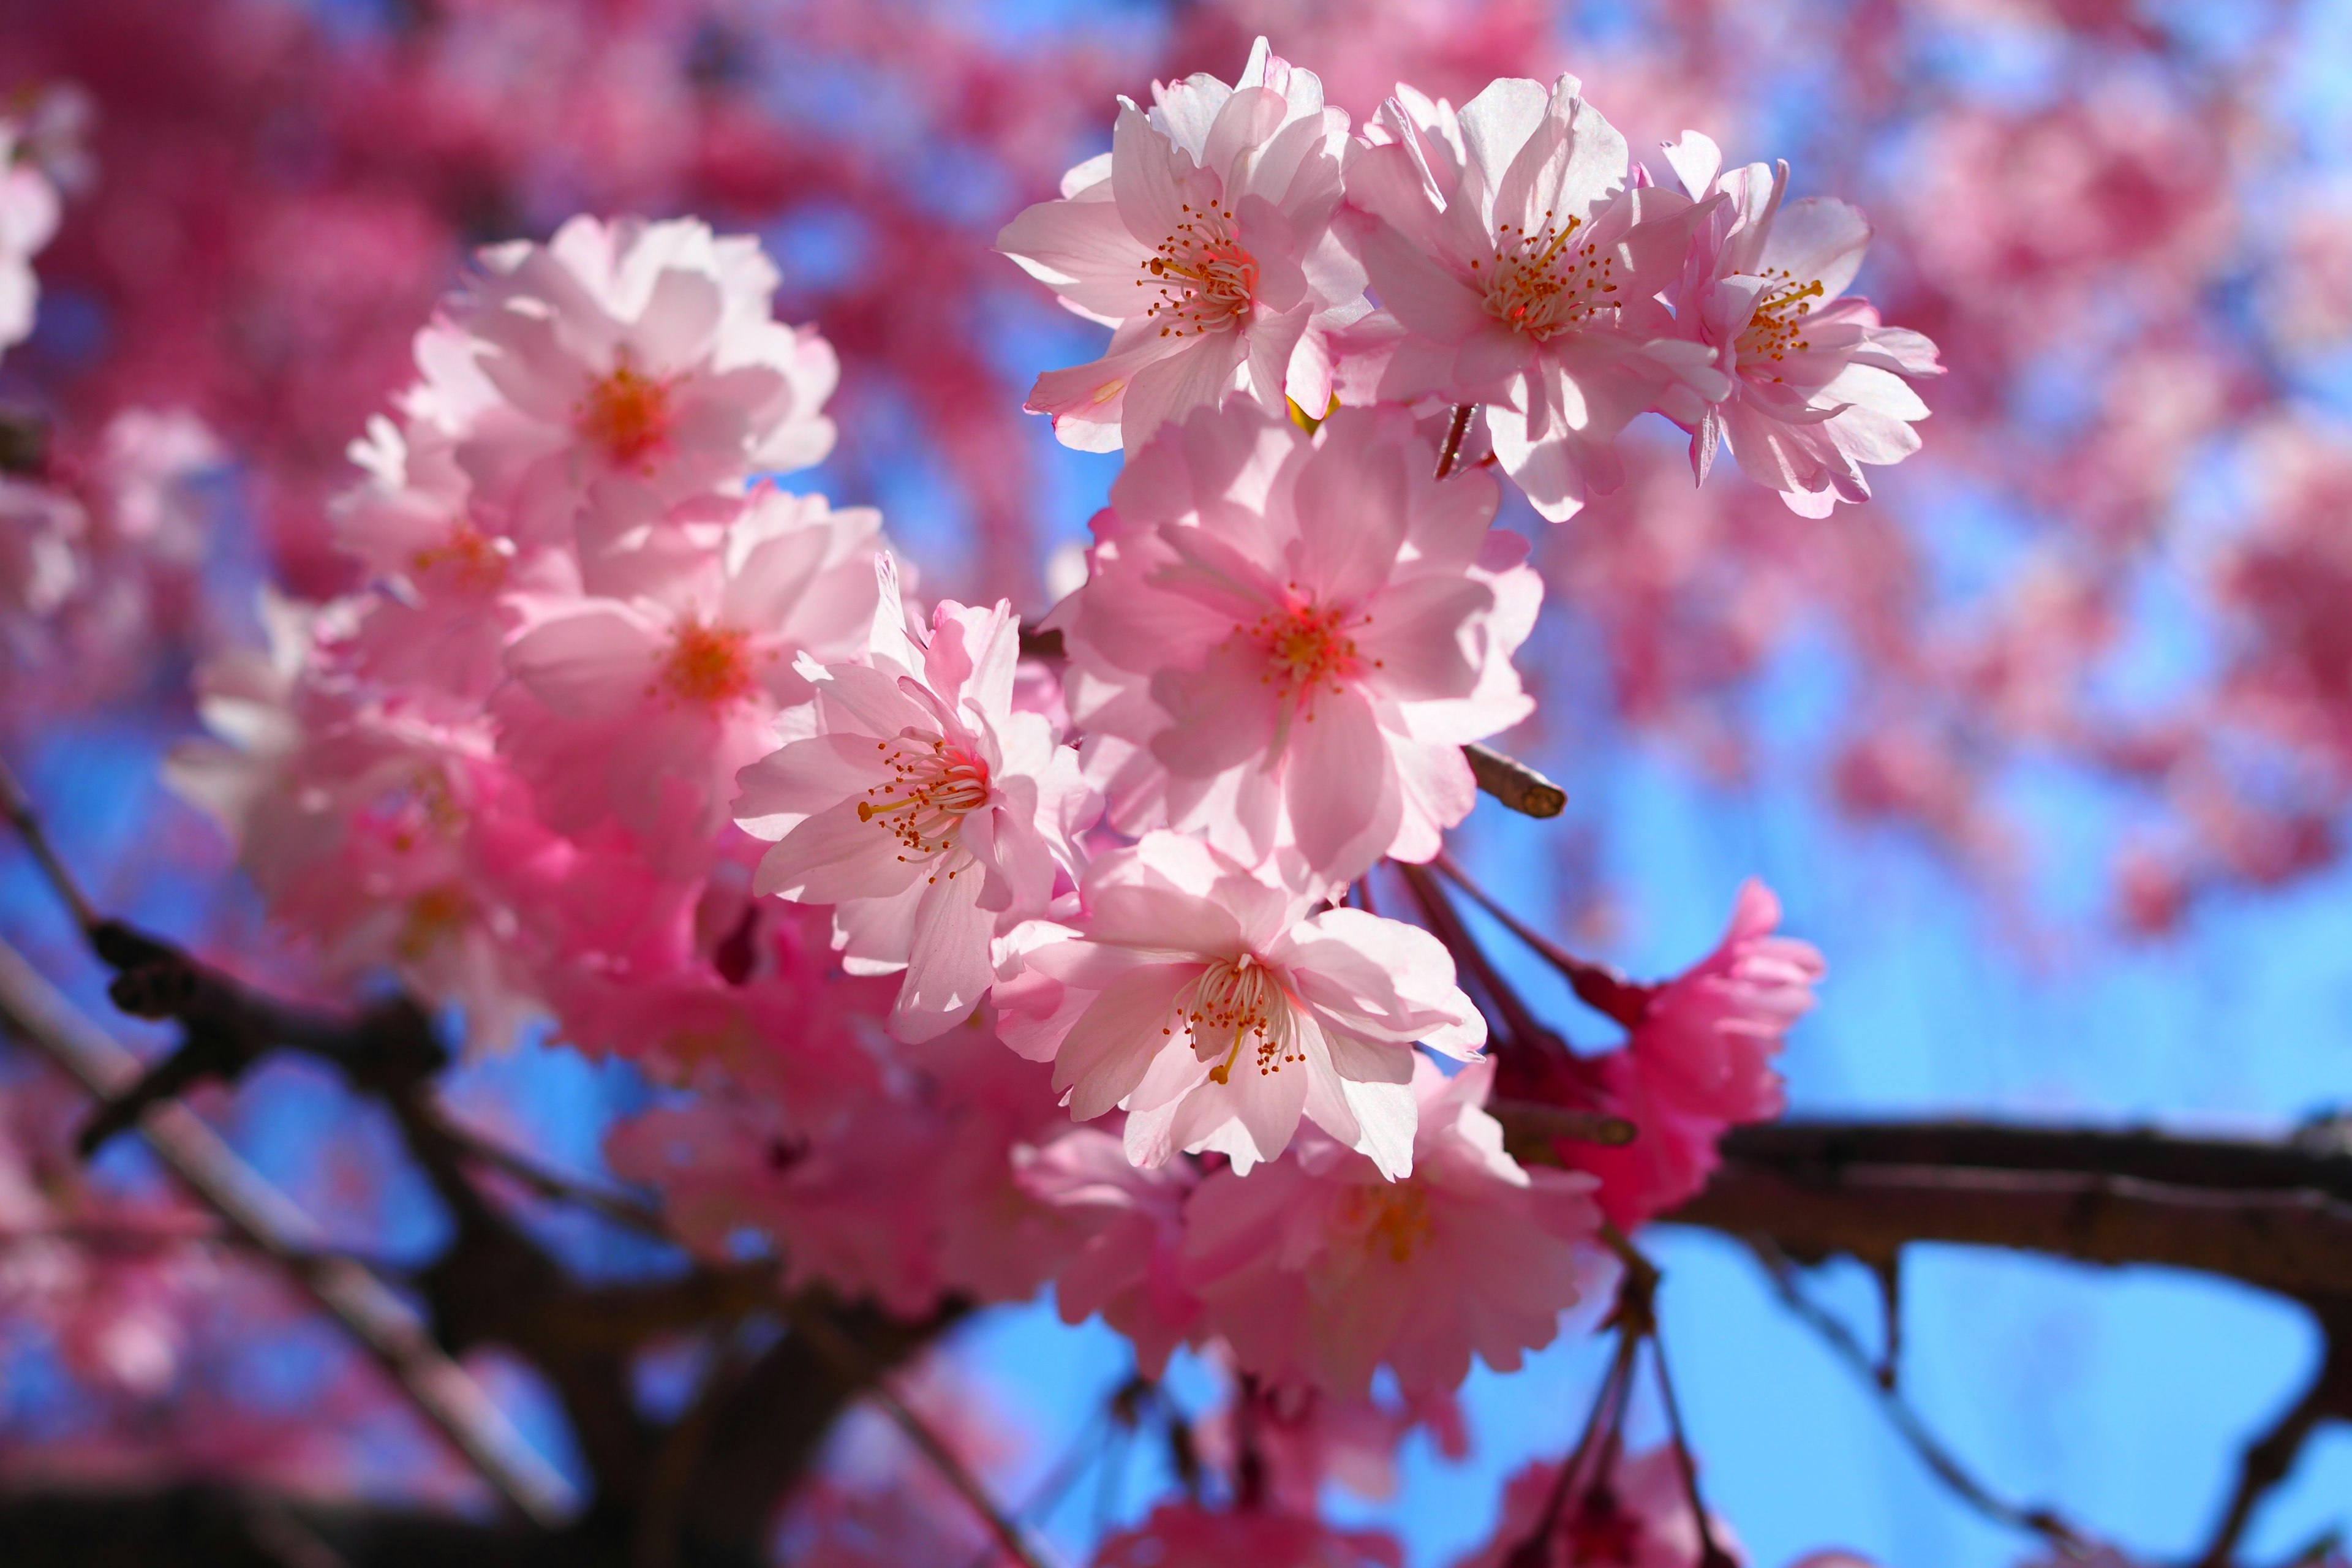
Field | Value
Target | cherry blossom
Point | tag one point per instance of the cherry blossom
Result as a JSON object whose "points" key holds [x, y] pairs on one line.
{"points": [[40, 558], [30, 211], [642, 704], [1217, 1010], [1634, 1514], [926, 809], [1128, 1266], [1203, 237], [1321, 1269], [1818, 387], [1286, 640], [1522, 276], [1186, 1535], [621, 368]]}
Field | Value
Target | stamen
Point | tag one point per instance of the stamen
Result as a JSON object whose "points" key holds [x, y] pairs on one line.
{"points": [[708, 665], [934, 785], [1776, 327], [1308, 650], [627, 414], [1237, 1001], [1539, 286], [1206, 281]]}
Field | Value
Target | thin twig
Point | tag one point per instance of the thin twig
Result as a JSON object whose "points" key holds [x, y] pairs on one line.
{"points": [[1907, 1421], [17, 807], [811, 1323], [1444, 922], [1514, 783], [1531, 1125], [33, 1010], [2267, 1460], [1457, 428], [1597, 985]]}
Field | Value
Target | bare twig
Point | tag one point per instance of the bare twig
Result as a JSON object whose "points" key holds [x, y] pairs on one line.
{"points": [[33, 1010], [1529, 1126], [810, 1322], [1457, 428], [1597, 985], [2268, 1460], [17, 807], [1514, 783], [1907, 1421]]}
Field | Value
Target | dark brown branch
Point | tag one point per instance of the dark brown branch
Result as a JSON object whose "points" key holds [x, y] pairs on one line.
{"points": [[1514, 783], [2268, 1460], [32, 1011]]}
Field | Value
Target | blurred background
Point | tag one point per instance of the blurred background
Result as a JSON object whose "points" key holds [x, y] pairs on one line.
{"points": [[2048, 748]]}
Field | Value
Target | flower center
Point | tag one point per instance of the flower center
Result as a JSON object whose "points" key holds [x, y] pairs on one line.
{"points": [[709, 665], [1308, 649], [433, 916], [1237, 1001], [934, 785], [1543, 283], [468, 558], [1775, 329], [1394, 1217], [1205, 280], [627, 414]]}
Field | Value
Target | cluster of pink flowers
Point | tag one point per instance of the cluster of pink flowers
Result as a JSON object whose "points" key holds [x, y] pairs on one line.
{"points": [[625, 735]]}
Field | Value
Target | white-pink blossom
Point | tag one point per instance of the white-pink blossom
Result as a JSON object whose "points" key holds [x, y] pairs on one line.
{"points": [[1515, 268], [926, 809], [1203, 237], [1816, 387], [1286, 640], [1129, 1218], [41, 533], [618, 369], [1318, 1269], [1217, 1010], [29, 209], [642, 704]]}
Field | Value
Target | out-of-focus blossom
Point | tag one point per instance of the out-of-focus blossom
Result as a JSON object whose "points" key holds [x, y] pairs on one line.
{"points": [[30, 210], [1287, 638], [1218, 1010], [40, 534], [619, 369], [1128, 1266], [1816, 386], [1204, 236], [644, 707], [1187, 1535], [926, 809], [1320, 1270], [1698, 1060], [1637, 1515], [1523, 278]]}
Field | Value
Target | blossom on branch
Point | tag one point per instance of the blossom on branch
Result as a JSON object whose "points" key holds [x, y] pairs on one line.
{"points": [[1286, 640], [1204, 236], [926, 809], [1318, 1269], [1816, 387], [1516, 268], [1218, 1010], [603, 377]]}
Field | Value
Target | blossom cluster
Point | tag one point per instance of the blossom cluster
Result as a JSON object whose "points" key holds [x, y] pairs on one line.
{"points": [[624, 733]]}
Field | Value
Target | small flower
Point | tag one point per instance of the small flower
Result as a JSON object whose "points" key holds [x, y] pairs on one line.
{"points": [[926, 809], [1203, 237], [1217, 1011]]}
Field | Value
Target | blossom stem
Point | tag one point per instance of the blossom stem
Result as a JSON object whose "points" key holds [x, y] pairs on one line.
{"points": [[17, 807], [1445, 923], [1457, 430], [1597, 985]]}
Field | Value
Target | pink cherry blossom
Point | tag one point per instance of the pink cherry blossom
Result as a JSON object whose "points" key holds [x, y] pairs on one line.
{"points": [[1204, 236], [1187, 1535], [1636, 1514], [30, 210], [1818, 387], [1128, 1265], [1218, 1010], [1699, 1059], [1320, 1270], [929, 811], [40, 557], [1287, 639], [643, 704], [1515, 268], [621, 368]]}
